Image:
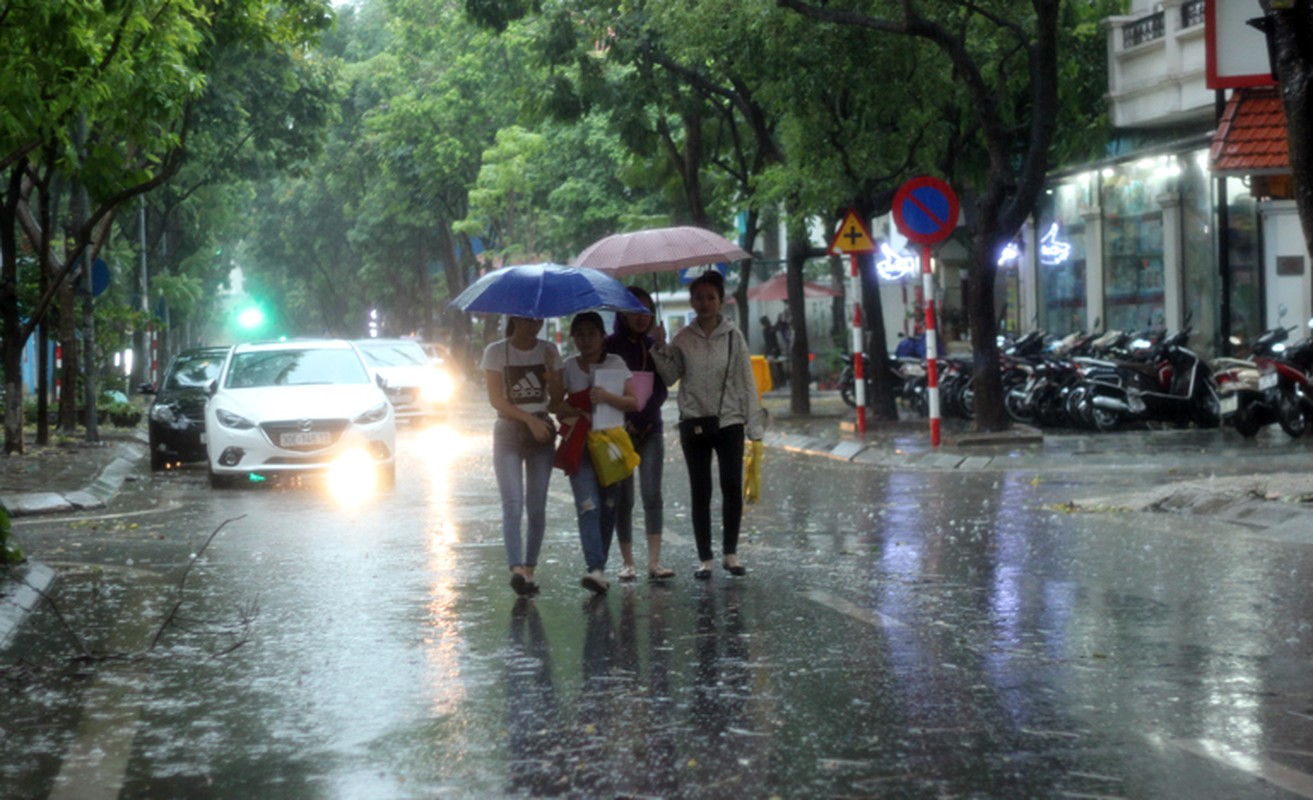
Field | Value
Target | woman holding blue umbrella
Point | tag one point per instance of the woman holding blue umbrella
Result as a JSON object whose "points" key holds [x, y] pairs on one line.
{"points": [[523, 376]]}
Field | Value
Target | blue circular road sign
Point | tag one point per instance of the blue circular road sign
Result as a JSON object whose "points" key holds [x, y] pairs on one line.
{"points": [[925, 210]]}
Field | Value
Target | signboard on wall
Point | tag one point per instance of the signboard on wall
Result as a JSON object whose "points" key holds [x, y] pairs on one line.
{"points": [[1237, 52]]}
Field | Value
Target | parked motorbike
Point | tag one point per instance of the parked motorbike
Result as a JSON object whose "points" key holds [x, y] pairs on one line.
{"points": [[1292, 394], [1245, 385], [1170, 383], [909, 381]]}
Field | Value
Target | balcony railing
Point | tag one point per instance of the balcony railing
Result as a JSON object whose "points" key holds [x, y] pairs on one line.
{"points": [[1145, 29], [1192, 13]]}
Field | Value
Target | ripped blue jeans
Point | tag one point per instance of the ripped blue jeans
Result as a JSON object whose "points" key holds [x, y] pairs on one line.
{"points": [[589, 499]]}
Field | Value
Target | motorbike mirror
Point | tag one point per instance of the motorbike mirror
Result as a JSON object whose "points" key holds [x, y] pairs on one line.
{"points": [[1281, 312]]}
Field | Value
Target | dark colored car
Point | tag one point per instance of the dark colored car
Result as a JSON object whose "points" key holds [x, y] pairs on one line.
{"points": [[176, 419]]}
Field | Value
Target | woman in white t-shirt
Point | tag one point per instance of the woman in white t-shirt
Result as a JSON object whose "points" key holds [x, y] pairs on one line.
{"points": [[523, 376], [580, 375]]}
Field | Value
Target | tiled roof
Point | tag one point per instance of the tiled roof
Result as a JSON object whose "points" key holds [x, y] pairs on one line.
{"points": [[1251, 138]]}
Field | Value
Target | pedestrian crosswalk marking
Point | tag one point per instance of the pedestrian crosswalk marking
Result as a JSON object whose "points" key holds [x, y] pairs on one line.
{"points": [[874, 618], [1265, 769]]}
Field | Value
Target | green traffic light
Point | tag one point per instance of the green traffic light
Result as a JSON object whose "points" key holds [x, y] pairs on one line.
{"points": [[250, 318]]}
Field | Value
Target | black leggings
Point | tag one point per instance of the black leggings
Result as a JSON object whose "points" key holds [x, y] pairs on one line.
{"points": [[727, 445]]}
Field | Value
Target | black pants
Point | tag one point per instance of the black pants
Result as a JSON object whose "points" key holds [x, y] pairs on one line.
{"points": [[727, 446]]}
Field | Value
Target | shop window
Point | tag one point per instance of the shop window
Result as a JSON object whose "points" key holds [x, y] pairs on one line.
{"points": [[1133, 244], [1060, 267]]}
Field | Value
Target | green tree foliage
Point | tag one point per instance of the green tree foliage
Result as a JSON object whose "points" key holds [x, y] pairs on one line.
{"points": [[101, 101], [369, 224], [547, 195], [1006, 60]]}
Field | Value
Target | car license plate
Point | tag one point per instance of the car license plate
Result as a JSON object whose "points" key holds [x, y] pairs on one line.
{"points": [[1229, 404], [1267, 381], [301, 439]]}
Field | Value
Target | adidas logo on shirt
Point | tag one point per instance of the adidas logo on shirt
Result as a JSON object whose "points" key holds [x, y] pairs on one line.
{"points": [[527, 388]]}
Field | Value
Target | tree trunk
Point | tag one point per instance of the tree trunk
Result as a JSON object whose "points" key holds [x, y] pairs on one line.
{"points": [[745, 275], [987, 381], [1292, 45], [11, 324], [68, 370], [799, 364]]}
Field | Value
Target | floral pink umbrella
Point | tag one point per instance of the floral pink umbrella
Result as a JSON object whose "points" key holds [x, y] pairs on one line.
{"points": [[659, 250]]}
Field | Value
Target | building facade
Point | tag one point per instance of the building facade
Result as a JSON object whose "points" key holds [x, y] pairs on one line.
{"points": [[1190, 220]]}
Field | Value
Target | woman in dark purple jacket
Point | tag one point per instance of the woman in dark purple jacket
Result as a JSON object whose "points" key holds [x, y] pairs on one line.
{"points": [[632, 342]]}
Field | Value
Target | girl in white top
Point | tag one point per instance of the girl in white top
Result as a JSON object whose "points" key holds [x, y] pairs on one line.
{"points": [[523, 376], [580, 375]]}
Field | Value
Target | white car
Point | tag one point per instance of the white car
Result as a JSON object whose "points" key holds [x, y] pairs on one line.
{"points": [[296, 406], [418, 388]]}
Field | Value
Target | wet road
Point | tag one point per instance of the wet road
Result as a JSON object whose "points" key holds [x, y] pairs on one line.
{"points": [[901, 634]]}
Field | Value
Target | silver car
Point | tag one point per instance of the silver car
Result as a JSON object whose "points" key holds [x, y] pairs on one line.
{"points": [[420, 390]]}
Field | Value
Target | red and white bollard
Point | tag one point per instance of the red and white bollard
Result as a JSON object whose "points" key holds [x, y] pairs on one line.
{"points": [[859, 389], [931, 344]]}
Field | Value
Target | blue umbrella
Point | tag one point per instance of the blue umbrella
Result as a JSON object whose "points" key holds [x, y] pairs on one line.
{"points": [[546, 290]]}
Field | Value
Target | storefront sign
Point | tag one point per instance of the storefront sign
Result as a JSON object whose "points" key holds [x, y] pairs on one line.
{"points": [[894, 266]]}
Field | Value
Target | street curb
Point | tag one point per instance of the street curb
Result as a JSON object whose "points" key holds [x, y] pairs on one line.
{"points": [[22, 586], [20, 592], [94, 495]]}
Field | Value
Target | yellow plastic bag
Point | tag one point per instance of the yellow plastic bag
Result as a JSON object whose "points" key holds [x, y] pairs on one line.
{"points": [[612, 454], [752, 471]]}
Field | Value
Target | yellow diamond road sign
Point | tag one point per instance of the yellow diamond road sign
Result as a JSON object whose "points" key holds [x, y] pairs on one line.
{"points": [[852, 238]]}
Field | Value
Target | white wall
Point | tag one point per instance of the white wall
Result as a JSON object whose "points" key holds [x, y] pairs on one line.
{"points": [[1282, 237]]}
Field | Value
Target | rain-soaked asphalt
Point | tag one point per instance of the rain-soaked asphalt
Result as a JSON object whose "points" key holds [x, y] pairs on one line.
{"points": [[901, 634]]}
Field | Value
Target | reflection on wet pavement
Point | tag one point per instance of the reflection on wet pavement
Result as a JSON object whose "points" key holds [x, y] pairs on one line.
{"points": [[900, 635]]}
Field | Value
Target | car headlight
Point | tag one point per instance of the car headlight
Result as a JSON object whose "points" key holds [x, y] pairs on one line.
{"points": [[437, 389], [376, 414], [230, 420]]}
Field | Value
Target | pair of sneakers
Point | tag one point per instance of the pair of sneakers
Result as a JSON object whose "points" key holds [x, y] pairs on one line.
{"points": [[595, 581]]}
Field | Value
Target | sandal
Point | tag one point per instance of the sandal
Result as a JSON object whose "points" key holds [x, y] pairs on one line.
{"points": [[660, 574], [626, 573]]}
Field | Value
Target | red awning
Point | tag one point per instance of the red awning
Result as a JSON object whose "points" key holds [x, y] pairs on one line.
{"points": [[777, 289], [1251, 138]]}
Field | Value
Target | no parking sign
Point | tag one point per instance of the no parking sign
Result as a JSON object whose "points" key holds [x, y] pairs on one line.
{"points": [[925, 210]]}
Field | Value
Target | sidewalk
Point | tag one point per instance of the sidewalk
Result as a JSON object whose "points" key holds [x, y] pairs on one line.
{"points": [[71, 475], [55, 478], [830, 431]]}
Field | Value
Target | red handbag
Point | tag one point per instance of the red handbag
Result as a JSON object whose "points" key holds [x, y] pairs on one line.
{"points": [[573, 444]]}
